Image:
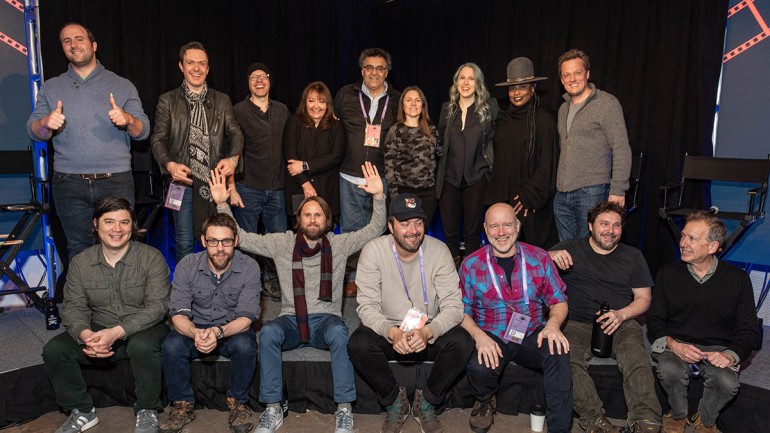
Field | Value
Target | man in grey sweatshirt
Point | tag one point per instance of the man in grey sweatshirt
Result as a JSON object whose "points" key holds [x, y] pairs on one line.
{"points": [[595, 158]]}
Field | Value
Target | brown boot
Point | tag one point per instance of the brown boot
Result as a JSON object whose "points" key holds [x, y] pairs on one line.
{"points": [[700, 428], [182, 413], [645, 427], [396, 413], [350, 289], [671, 425], [483, 415], [425, 414], [240, 417], [602, 425]]}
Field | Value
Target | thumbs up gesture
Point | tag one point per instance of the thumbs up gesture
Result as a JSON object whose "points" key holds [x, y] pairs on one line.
{"points": [[55, 118], [119, 117]]}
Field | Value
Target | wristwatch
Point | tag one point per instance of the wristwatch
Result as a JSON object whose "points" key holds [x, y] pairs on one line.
{"points": [[220, 332], [305, 167]]}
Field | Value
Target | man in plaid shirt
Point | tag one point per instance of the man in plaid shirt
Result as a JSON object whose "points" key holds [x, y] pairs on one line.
{"points": [[514, 313]]}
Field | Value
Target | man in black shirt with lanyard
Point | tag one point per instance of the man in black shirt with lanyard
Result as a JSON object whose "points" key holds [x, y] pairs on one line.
{"points": [[367, 109]]}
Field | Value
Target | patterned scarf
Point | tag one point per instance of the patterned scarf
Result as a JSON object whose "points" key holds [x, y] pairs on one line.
{"points": [[199, 147], [301, 249]]}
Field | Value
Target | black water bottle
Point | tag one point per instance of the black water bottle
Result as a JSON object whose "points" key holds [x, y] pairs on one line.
{"points": [[52, 318], [601, 343]]}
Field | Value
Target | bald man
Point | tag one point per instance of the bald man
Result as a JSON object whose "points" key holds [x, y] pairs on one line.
{"points": [[507, 288]]}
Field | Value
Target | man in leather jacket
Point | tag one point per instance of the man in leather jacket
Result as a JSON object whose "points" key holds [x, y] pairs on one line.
{"points": [[195, 131]]}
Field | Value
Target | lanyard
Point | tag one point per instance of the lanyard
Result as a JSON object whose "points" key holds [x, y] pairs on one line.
{"points": [[522, 271], [422, 277], [363, 110]]}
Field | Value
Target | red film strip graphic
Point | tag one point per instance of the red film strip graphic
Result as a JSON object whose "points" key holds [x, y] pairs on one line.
{"points": [[18, 5], [13, 44], [752, 41]]}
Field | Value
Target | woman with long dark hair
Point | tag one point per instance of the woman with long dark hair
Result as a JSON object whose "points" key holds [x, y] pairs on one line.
{"points": [[526, 156], [314, 144], [410, 152], [465, 127]]}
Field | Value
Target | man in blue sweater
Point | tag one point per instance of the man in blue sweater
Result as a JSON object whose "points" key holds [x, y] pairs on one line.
{"points": [[702, 322], [91, 114]]}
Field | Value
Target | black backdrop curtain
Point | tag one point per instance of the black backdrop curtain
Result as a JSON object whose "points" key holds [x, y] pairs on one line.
{"points": [[660, 58]]}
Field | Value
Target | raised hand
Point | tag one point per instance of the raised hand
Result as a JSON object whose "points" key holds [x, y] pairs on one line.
{"points": [[373, 181], [118, 117], [218, 186]]}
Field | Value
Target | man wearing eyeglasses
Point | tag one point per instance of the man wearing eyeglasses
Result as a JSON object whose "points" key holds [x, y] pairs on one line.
{"points": [[214, 300], [595, 158], [259, 187], [367, 109]]}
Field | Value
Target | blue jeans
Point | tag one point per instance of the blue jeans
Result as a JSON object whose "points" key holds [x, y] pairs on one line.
{"points": [[178, 350], [75, 199], [719, 385], [355, 206], [327, 332], [557, 378], [571, 209], [270, 204], [183, 225]]}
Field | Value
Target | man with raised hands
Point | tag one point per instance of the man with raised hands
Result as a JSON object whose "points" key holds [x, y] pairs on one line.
{"points": [[91, 114]]}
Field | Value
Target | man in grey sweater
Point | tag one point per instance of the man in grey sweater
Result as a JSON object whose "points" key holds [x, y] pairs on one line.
{"points": [[311, 268], [595, 158]]}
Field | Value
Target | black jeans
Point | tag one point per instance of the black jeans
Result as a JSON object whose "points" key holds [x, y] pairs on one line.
{"points": [[464, 205], [370, 353], [63, 355]]}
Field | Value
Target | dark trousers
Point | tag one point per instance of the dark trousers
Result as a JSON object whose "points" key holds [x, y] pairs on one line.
{"points": [[429, 201], [557, 379], [179, 350], [63, 356], [370, 353], [463, 205]]}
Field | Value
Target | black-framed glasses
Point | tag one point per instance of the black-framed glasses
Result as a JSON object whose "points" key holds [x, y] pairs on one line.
{"points": [[215, 242], [259, 77], [371, 68]]}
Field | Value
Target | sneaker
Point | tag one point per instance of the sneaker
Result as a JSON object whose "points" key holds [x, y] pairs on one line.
{"points": [[483, 415], [344, 421], [396, 413], [700, 428], [671, 425], [645, 427], [182, 413], [240, 417], [271, 288], [146, 421], [602, 425], [425, 414], [79, 421], [270, 420]]}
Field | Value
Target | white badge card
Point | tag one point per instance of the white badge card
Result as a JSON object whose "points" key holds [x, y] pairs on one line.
{"points": [[517, 328], [372, 138], [414, 320], [174, 196]]}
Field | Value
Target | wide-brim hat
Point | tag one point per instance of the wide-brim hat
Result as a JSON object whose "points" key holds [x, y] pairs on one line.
{"points": [[520, 71]]}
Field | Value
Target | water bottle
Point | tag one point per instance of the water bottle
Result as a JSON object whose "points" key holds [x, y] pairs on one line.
{"points": [[601, 343], [52, 318]]}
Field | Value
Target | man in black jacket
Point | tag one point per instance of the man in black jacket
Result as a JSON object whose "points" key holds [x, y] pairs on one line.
{"points": [[195, 131], [702, 322]]}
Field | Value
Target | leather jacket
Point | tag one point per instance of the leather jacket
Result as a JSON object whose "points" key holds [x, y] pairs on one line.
{"points": [[172, 124]]}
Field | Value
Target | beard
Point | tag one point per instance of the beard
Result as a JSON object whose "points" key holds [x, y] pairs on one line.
{"points": [[220, 262], [607, 245], [412, 243], [312, 233]]}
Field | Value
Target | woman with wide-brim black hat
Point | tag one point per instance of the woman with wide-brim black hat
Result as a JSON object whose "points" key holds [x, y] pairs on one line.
{"points": [[526, 157]]}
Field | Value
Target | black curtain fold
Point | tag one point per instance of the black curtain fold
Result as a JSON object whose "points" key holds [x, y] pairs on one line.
{"points": [[661, 59]]}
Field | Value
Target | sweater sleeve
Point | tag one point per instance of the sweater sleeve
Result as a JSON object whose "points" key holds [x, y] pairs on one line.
{"points": [[447, 285], [745, 331], [617, 138]]}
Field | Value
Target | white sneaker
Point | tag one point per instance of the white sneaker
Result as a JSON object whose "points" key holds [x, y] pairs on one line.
{"points": [[270, 420], [344, 421], [79, 421]]}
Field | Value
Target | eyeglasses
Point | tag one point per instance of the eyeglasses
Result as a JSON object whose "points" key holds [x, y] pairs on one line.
{"points": [[215, 242], [370, 68], [260, 77]]}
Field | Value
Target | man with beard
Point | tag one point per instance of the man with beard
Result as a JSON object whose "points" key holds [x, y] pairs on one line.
{"points": [[514, 308], [91, 114], [214, 300], [114, 305], [410, 308], [600, 269], [311, 268]]}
